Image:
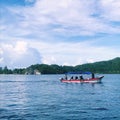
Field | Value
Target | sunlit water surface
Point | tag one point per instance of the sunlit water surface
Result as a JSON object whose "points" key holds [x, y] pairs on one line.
{"points": [[44, 97]]}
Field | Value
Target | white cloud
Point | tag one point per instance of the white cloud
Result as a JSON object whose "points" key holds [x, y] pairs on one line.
{"points": [[73, 17], [23, 54], [21, 47], [74, 53], [110, 9], [66, 17], [18, 55], [46, 27]]}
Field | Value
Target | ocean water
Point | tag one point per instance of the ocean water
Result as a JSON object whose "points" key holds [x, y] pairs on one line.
{"points": [[44, 97]]}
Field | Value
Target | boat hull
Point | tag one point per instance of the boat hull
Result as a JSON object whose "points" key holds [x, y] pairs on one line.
{"points": [[90, 80]]}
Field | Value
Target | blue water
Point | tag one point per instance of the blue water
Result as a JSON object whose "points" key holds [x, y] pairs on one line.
{"points": [[44, 97]]}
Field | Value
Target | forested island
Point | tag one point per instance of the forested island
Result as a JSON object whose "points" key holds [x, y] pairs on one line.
{"points": [[105, 67]]}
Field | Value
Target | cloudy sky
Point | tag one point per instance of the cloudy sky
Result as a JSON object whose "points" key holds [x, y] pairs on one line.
{"points": [[63, 32]]}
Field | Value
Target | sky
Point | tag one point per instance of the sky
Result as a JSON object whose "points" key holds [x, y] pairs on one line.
{"points": [[63, 32]]}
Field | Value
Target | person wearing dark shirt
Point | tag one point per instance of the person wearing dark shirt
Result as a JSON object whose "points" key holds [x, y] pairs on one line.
{"points": [[93, 75], [81, 77]]}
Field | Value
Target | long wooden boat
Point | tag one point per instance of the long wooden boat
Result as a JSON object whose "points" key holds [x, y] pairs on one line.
{"points": [[88, 80], [80, 79]]}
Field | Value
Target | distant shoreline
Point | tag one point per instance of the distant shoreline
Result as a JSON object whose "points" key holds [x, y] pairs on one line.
{"points": [[102, 67]]}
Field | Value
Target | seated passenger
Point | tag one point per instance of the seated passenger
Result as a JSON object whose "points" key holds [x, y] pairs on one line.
{"points": [[71, 78], [81, 77], [76, 77], [93, 76]]}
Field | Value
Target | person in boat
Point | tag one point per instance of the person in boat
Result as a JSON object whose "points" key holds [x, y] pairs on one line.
{"points": [[93, 75], [81, 77], [71, 78], [76, 77]]}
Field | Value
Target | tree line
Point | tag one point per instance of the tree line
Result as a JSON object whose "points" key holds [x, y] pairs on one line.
{"points": [[107, 67]]}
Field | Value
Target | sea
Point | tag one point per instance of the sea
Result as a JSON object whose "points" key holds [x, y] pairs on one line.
{"points": [[44, 97]]}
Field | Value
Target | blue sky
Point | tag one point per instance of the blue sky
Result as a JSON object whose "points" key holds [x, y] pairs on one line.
{"points": [[63, 32]]}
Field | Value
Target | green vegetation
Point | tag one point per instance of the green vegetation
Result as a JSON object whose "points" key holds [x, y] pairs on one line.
{"points": [[111, 66], [108, 67]]}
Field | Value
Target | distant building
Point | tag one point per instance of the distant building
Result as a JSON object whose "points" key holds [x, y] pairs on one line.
{"points": [[32, 72], [37, 72]]}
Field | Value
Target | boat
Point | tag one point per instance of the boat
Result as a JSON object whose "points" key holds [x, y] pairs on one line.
{"points": [[80, 79]]}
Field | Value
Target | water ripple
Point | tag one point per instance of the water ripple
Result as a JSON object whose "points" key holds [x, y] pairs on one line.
{"points": [[46, 98], [99, 108]]}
